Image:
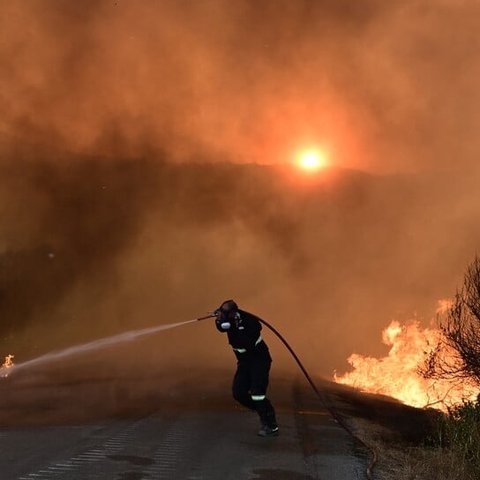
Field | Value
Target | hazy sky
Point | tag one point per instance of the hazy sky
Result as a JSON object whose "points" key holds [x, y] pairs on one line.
{"points": [[381, 85], [109, 220]]}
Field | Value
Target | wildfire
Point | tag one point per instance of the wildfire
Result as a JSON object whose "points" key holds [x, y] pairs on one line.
{"points": [[7, 364], [397, 375]]}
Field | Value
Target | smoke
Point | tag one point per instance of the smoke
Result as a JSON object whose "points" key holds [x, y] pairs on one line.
{"points": [[64, 220], [384, 87], [142, 151], [98, 246]]}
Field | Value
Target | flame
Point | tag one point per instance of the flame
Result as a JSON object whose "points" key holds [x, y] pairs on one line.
{"points": [[7, 364], [397, 375]]}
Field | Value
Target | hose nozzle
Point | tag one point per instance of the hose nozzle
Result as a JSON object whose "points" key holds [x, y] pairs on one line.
{"points": [[209, 315]]}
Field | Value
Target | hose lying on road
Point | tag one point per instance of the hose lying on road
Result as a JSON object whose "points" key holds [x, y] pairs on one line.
{"points": [[323, 399]]}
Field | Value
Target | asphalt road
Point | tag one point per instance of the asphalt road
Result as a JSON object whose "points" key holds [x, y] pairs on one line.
{"points": [[197, 441]]}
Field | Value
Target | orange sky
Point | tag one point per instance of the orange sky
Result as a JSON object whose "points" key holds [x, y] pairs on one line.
{"points": [[382, 87]]}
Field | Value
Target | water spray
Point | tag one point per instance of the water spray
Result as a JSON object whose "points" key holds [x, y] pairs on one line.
{"points": [[7, 370]]}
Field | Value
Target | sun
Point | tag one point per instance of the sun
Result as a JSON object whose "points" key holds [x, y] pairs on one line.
{"points": [[311, 160]]}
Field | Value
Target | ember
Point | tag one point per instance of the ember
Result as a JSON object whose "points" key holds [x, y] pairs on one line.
{"points": [[7, 365]]}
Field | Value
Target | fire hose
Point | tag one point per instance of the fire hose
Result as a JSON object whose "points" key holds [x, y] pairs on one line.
{"points": [[321, 396]]}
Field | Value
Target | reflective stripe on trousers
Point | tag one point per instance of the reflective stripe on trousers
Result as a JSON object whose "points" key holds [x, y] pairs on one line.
{"points": [[258, 398]]}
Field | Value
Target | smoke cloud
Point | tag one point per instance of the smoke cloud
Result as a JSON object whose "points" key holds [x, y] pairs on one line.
{"points": [[383, 87], [143, 149]]}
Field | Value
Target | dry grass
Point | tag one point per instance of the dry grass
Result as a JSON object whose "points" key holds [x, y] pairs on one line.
{"points": [[401, 461], [401, 436], [420, 463]]}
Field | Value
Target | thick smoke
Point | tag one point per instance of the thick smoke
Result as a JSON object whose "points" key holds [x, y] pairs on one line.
{"points": [[122, 203], [64, 221], [386, 86]]}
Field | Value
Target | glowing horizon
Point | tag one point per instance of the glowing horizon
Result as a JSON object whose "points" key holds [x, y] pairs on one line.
{"points": [[311, 160]]}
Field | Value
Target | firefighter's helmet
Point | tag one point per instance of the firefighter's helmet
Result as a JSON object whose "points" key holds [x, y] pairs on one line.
{"points": [[229, 307]]}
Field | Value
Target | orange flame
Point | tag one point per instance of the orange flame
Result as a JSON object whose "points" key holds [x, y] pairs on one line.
{"points": [[397, 375], [7, 364]]}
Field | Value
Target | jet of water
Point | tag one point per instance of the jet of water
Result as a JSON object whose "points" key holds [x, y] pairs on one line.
{"points": [[95, 345]]}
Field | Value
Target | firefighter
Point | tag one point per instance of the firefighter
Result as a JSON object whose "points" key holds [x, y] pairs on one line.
{"points": [[253, 363]]}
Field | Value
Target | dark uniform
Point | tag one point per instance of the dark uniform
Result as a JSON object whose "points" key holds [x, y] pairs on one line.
{"points": [[253, 362]]}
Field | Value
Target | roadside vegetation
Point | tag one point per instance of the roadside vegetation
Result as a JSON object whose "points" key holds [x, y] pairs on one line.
{"points": [[452, 450], [457, 357], [435, 446]]}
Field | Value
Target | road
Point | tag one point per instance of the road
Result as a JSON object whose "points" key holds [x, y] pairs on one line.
{"points": [[198, 441]]}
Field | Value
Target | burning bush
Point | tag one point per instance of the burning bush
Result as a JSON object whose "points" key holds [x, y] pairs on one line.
{"points": [[437, 367], [399, 373], [456, 355]]}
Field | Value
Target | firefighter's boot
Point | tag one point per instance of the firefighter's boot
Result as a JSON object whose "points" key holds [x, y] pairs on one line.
{"points": [[269, 426]]}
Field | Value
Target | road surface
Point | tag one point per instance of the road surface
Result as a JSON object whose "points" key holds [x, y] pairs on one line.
{"points": [[198, 441]]}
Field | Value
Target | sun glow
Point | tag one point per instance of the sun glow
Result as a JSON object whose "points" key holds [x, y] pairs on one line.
{"points": [[311, 160]]}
